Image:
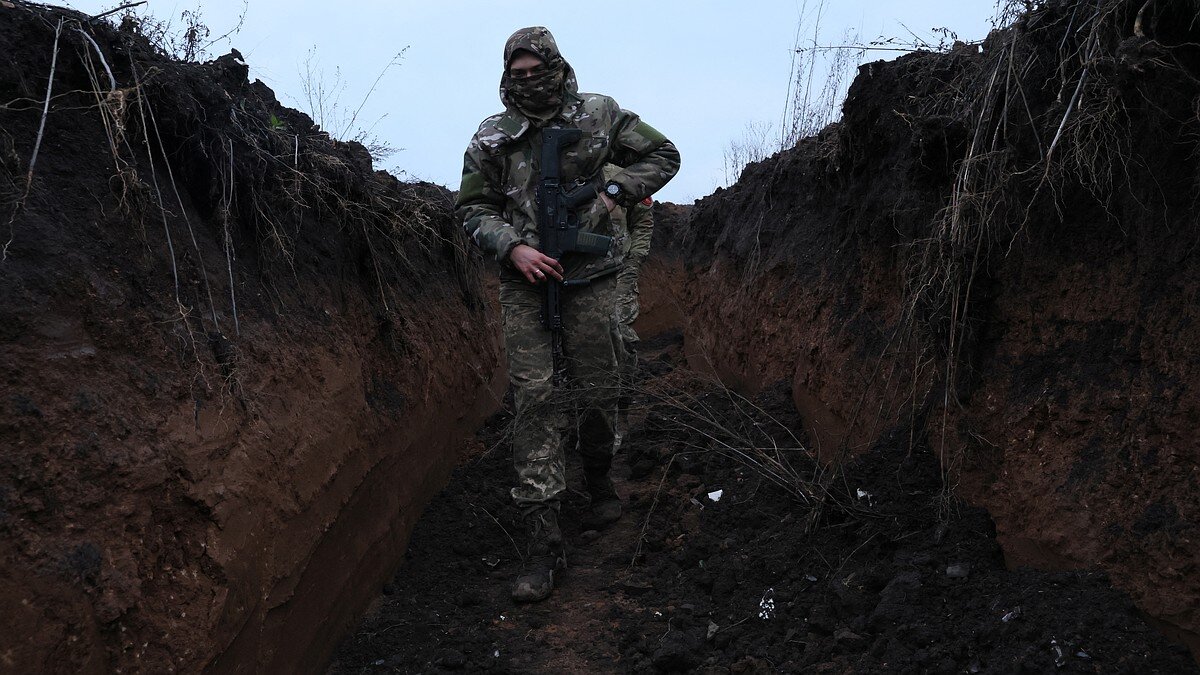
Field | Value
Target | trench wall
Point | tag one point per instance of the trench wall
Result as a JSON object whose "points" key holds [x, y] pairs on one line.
{"points": [[236, 362], [1068, 405]]}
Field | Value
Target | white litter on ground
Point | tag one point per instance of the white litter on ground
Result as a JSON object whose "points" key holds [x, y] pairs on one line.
{"points": [[716, 495], [766, 606]]}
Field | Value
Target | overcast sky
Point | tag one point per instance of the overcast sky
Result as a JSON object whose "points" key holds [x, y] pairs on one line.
{"points": [[697, 70]]}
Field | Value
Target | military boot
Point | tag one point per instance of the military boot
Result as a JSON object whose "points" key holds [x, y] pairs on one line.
{"points": [[544, 557], [606, 505]]}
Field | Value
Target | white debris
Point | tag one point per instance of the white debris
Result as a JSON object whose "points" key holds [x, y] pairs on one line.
{"points": [[1016, 611], [863, 494], [1060, 659], [766, 606], [810, 578], [716, 495], [958, 571], [496, 654], [713, 629]]}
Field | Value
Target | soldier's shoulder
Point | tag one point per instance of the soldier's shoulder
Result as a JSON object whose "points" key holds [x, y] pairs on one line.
{"points": [[498, 130], [489, 121], [598, 101]]}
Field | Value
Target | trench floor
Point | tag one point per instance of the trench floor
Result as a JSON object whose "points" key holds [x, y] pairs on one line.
{"points": [[739, 554]]}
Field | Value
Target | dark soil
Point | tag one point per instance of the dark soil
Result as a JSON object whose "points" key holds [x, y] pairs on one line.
{"points": [[1058, 372], [887, 576], [224, 391]]}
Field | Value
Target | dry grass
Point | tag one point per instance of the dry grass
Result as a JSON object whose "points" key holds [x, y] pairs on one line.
{"points": [[997, 184], [275, 181]]}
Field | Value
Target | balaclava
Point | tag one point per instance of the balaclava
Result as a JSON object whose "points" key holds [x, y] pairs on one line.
{"points": [[541, 97]]}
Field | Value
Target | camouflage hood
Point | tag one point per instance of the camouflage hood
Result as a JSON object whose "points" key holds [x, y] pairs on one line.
{"points": [[538, 41]]}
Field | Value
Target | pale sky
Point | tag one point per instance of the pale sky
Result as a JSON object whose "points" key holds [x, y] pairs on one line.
{"points": [[697, 70]]}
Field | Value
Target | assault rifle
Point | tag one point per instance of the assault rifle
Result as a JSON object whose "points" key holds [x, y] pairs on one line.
{"points": [[558, 230]]}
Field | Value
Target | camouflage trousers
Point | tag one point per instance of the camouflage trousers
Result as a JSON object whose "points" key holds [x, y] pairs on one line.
{"points": [[585, 408], [626, 340]]}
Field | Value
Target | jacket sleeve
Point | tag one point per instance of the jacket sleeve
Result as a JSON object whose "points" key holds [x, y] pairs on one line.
{"points": [[480, 204], [641, 224], [648, 158]]}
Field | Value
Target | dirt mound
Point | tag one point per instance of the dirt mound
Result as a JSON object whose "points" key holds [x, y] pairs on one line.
{"points": [[993, 253], [718, 567], [223, 341]]}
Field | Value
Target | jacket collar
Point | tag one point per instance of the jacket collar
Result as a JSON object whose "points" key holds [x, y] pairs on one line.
{"points": [[513, 124]]}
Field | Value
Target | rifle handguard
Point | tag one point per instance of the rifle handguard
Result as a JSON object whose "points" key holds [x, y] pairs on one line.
{"points": [[572, 239]]}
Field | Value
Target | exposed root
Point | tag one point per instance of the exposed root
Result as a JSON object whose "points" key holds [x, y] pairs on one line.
{"points": [[1090, 146], [162, 209], [37, 144]]}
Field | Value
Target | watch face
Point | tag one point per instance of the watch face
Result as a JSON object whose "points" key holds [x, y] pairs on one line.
{"points": [[613, 190]]}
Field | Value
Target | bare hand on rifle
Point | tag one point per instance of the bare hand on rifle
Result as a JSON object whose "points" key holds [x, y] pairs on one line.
{"points": [[534, 264]]}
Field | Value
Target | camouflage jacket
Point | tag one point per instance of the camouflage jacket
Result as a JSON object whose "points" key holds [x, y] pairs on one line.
{"points": [[497, 199]]}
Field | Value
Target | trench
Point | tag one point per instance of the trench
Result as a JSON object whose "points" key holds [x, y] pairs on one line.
{"points": [[723, 563], [230, 419]]}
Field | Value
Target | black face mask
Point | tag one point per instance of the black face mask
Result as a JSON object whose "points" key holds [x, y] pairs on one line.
{"points": [[539, 96]]}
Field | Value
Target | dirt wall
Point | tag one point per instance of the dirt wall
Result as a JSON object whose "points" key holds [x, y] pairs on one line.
{"points": [[236, 364], [943, 266]]}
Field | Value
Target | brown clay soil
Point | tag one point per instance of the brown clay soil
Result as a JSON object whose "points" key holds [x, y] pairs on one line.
{"points": [[224, 395], [886, 577]]}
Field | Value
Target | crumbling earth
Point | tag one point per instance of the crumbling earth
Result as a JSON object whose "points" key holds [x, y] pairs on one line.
{"points": [[716, 567]]}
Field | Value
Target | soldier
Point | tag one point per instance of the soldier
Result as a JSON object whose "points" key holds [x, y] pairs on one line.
{"points": [[497, 204], [637, 221]]}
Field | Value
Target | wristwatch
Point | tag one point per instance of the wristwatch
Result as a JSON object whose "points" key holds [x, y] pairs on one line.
{"points": [[614, 190]]}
